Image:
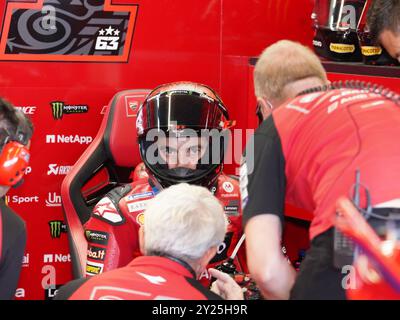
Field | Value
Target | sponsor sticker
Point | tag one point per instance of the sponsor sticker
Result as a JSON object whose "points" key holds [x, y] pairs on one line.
{"points": [[96, 253], [133, 197], [137, 206], [342, 48], [59, 109], [371, 51], [227, 186], [93, 268], [140, 219], [97, 237]]}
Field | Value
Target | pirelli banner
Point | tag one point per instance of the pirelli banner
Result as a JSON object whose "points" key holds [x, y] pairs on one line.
{"points": [[55, 42]]}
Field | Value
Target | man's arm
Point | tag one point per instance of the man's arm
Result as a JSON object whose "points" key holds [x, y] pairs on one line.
{"points": [[268, 266], [263, 188], [112, 236]]}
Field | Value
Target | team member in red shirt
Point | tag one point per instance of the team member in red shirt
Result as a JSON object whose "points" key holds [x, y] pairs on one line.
{"points": [[181, 134], [307, 154], [15, 134], [183, 228]]}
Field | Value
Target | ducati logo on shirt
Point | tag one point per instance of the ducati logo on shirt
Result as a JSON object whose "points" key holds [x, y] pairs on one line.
{"points": [[105, 210]]}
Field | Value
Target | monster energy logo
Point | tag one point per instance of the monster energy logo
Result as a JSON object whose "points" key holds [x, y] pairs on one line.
{"points": [[59, 108], [56, 227]]}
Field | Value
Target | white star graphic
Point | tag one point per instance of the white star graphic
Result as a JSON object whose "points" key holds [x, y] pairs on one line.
{"points": [[103, 208], [116, 32], [109, 31], [101, 32]]}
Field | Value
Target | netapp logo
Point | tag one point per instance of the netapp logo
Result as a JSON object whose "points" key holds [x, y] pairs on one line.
{"points": [[30, 110], [52, 258], [61, 138], [57, 170], [59, 108], [53, 200]]}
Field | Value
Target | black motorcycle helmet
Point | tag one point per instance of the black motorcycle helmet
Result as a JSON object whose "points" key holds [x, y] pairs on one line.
{"points": [[336, 23], [183, 110]]}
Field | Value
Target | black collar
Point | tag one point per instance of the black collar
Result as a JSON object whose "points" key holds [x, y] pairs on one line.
{"points": [[177, 260]]}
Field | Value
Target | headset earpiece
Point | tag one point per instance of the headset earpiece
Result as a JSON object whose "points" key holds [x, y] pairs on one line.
{"points": [[14, 160]]}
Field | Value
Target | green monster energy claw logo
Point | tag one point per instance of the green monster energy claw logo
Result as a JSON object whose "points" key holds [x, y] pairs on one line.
{"points": [[56, 227], [57, 109]]}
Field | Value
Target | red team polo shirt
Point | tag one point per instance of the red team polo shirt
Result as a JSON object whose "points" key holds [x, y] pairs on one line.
{"points": [[306, 154]]}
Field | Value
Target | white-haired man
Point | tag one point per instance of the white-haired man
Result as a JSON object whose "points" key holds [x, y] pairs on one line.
{"points": [[282, 71], [182, 229]]}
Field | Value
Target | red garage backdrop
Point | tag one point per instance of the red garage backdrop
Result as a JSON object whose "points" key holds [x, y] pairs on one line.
{"points": [[61, 61]]}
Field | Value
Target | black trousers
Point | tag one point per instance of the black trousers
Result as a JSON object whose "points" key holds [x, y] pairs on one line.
{"points": [[318, 279]]}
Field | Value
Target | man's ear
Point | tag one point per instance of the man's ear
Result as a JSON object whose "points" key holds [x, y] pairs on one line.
{"points": [[141, 240]]}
